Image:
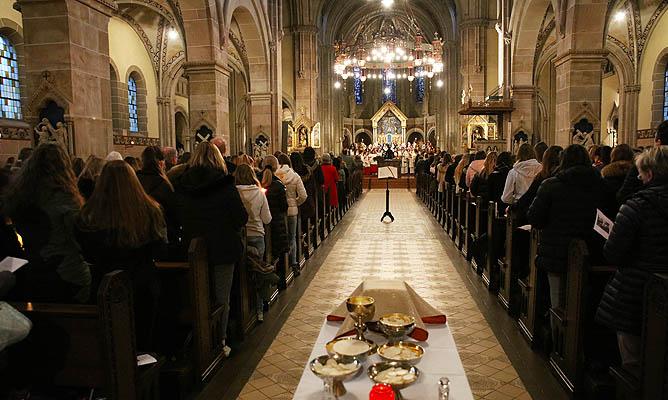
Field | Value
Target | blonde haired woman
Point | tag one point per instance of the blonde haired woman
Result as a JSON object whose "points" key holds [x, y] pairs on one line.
{"points": [[460, 172], [91, 171], [212, 209]]}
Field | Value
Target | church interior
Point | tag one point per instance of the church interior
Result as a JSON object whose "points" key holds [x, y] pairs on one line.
{"points": [[191, 194]]}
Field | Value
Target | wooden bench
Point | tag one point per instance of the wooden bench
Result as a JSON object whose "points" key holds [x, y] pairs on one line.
{"points": [[198, 305], [575, 319], [86, 346], [528, 286], [490, 272], [650, 382], [477, 227], [505, 264]]}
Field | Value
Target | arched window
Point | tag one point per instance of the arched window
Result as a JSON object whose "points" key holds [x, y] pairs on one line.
{"points": [[419, 85], [665, 93], [10, 95], [132, 105], [389, 87]]}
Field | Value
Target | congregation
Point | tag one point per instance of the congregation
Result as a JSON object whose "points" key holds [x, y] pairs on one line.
{"points": [[531, 207], [75, 222]]}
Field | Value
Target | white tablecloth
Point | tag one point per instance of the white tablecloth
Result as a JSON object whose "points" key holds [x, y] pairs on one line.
{"points": [[441, 359]]}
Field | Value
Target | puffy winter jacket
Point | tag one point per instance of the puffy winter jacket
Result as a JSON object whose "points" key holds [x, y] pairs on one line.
{"points": [[615, 173], [519, 179], [565, 209], [638, 245], [295, 189], [257, 207]]}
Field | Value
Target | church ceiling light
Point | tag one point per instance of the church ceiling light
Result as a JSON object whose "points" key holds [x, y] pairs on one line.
{"points": [[388, 45]]}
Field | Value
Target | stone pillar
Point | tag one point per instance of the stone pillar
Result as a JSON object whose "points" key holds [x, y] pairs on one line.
{"points": [[579, 74], [524, 101], [166, 122], [66, 45], [260, 117], [628, 120], [306, 66], [275, 73], [473, 56], [208, 87]]}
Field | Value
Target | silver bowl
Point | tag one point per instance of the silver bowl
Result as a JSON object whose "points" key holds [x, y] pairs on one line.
{"points": [[376, 369], [334, 383], [413, 347]]}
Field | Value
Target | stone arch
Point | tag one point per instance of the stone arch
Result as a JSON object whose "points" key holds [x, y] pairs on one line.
{"points": [[249, 18], [526, 22], [415, 135], [181, 127], [658, 97], [119, 109], [363, 136], [142, 108]]}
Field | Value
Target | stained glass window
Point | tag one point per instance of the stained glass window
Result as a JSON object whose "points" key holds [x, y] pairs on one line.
{"points": [[419, 86], [389, 88], [665, 94], [358, 85], [10, 95], [132, 105]]}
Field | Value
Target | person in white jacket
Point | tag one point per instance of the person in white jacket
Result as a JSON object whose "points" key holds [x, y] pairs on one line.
{"points": [[257, 207], [296, 193], [521, 176]]}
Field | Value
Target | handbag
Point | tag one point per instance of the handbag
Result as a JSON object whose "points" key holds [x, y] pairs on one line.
{"points": [[14, 326]]}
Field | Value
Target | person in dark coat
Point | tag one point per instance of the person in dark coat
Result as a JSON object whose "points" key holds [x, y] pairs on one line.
{"points": [[450, 171], [565, 209], [121, 227], [278, 206], [619, 167], [210, 207], [631, 183], [307, 209], [43, 203], [479, 182], [497, 179], [155, 183], [87, 178], [550, 163], [637, 245]]}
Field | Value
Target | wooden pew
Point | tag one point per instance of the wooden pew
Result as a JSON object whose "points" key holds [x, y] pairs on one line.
{"points": [[86, 346], [474, 229], [454, 210], [447, 207], [495, 224], [460, 235], [575, 320], [652, 383], [200, 308], [505, 265], [529, 293]]}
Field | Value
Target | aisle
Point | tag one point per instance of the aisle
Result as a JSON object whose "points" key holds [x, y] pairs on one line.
{"points": [[407, 249]]}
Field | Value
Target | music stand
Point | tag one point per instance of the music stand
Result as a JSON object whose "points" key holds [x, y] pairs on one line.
{"points": [[387, 172]]}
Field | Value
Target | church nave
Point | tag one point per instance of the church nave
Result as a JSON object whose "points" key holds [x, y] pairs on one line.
{"points": [[414, 249]]}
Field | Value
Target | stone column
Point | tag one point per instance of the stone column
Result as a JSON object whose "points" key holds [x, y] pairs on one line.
{"points": [[579, 74], [275, 73], [166, 122], [473, 56], [306, 70], [208, 87], [524, 101], [67, 59], [628, 120], [260, 117]]}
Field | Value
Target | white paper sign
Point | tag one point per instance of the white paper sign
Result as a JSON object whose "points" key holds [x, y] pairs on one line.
{"points": [[12, 264], [144, 359], [388, 172], [603, 224], [525, 228]]}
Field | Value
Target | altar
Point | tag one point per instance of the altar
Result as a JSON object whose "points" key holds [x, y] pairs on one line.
{"points": [[389, 125]]}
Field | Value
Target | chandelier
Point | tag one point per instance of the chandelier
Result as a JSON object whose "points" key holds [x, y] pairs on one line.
{"points": [[389, 47]]}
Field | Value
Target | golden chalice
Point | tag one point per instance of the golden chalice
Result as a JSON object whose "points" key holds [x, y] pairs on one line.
{"points": [[361, 309]]}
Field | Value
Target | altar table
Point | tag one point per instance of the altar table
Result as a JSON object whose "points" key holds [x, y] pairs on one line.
{"points": [[441, 359]]}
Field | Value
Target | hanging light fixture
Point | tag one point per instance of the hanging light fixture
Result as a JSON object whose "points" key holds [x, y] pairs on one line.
{"points": [[390, 42]]}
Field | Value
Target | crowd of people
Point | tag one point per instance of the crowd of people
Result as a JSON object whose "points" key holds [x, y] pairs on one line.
{"points": [[75, 220], [558, 191]]}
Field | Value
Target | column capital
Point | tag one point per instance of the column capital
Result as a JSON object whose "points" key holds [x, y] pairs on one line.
{"points": [[206, 66], [586, 55], [163, 100], [304, 29], [256, 96], [631, 88]]}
